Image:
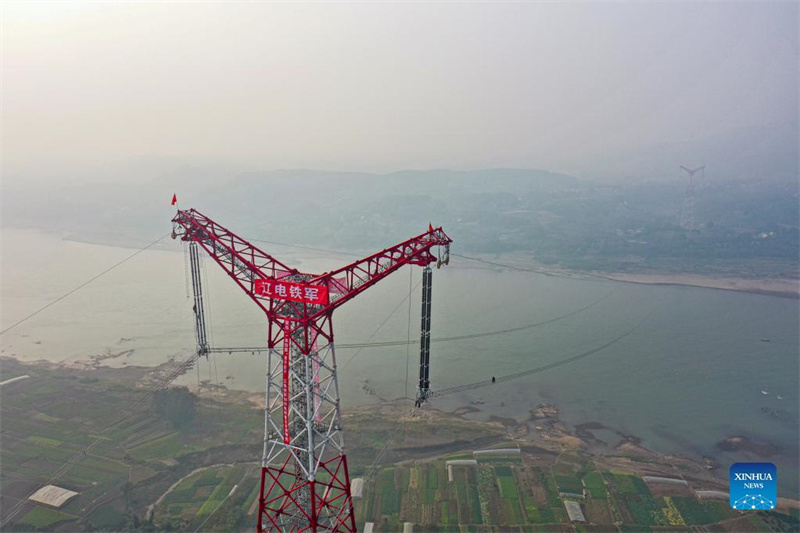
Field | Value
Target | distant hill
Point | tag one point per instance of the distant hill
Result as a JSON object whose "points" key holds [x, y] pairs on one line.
{"points": [[561, 220]]}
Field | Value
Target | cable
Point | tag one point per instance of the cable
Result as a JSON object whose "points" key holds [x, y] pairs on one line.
{"points": [[241, 482], [381, 325], [490, 333], [214, 392], [408, 333], [82, 285], [350, 254], [550, 273], [523, 373], [381, 344], [306, 247], [373, 468], [135, 410]]}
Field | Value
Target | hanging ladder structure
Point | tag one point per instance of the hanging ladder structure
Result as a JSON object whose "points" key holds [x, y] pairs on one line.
{"points": [[198, 307], [423, 389]]}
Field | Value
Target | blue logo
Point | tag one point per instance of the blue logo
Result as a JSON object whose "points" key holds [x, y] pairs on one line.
{"points": [[753, 486]]}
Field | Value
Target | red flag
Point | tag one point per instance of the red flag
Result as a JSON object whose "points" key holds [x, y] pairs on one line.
{"points": [[174, 199], [430, 227]]}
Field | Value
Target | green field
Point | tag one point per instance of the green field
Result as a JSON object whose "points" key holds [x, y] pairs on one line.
{"points": [[515, 495], [137, 456], [43, 517]]}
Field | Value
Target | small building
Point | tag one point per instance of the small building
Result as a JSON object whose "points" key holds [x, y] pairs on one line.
{"points": [[462, 462], [459, 462], [53, 496], [408, 527], [368, 527], [712, 494], [497, 451], [666, 480], [357, 487], [574, 511]]}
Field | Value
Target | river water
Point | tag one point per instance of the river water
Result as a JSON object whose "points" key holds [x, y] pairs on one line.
{"points": [[691, 375]]}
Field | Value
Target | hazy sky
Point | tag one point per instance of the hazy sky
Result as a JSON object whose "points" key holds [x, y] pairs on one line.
{"points": [[383, 86]]}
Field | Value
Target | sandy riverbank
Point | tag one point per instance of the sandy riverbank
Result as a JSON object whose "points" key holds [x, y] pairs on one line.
{"points": [[783, 288], [726, 278]]}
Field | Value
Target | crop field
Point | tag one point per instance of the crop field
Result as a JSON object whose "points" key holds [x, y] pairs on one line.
{"points": [[50, 419], [192, 471], [517, 496], [44, 517], [200, 494]]}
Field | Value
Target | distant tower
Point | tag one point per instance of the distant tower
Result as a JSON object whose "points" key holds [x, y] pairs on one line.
{"points": [[687, 216]]}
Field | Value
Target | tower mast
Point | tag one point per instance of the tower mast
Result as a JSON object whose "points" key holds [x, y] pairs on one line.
{"points": [[305, 483]]}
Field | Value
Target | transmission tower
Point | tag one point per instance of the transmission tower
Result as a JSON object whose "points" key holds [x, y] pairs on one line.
{"points": [[688, 215], [305, 484]]}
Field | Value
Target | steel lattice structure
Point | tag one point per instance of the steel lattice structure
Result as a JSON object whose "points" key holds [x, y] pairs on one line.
{"points": [[305, 484]]}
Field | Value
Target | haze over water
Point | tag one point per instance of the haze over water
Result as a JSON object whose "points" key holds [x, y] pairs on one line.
{"points": [[691, 375]]}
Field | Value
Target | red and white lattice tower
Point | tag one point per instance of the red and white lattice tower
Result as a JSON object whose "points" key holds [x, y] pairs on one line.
{"points": [[305, 485]]}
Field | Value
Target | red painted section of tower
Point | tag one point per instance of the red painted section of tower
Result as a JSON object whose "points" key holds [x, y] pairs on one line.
{"points": [[305, 483]]}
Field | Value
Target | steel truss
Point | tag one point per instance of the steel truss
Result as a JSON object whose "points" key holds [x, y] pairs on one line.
{"points": [[305, 483]]}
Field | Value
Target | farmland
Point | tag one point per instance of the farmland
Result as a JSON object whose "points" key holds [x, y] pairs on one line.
{"points": [[134, 456], [122, 454], [141, 472], [524, 494]]}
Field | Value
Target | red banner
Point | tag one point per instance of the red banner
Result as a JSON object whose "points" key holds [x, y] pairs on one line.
{"points": [[287, 351], [295, 292]]}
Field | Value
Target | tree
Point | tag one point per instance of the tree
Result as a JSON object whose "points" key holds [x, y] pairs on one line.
{"points": [[177, 405]]}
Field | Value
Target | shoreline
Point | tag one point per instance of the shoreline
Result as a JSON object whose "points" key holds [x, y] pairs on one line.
{"points": [[542, 428], [544, 431], [778, 288], [774, 287]]}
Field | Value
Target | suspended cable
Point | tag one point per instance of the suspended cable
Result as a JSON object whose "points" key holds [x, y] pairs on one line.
{"points": [[489, 333], [381, 325], [135, 409], [382, 344], [373, 468], [302, 247], [241, 482], [516, 375], [550, 273], [408, 333], [84, 284], [541, 272]]}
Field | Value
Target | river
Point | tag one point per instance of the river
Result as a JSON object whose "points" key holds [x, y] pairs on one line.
{"points": [[691, 375]]}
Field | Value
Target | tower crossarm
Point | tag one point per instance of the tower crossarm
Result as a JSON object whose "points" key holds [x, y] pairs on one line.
{"points": [[260, 275], [239, 259], [349, 281]]}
